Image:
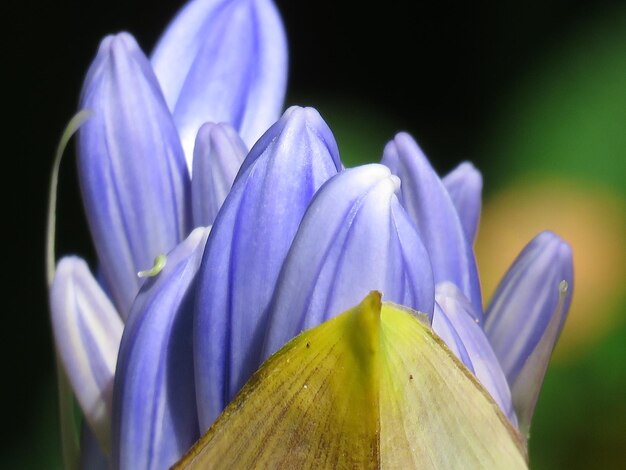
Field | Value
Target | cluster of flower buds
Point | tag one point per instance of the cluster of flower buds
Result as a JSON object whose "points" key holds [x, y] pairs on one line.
{"points": [[260, 233]]}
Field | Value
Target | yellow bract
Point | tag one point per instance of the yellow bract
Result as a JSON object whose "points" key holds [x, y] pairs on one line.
{"points": [[372, 388]]}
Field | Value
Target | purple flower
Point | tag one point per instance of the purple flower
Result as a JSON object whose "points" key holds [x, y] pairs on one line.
{"points": [[211, 256]]}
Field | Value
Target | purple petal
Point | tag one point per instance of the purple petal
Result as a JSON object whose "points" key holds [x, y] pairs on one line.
{"points": [[526, 315], [444, 328], [465, 185], [250, 239], [355, 237], [133, 177], [87, 332], [154, 417], [223, 61], [428, 203], [218, 154], [481, 359]]}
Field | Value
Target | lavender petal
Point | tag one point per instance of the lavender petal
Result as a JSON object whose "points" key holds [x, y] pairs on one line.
{"points": [[87, 332], [428, 203], [355, 237], [218, 154], [154, 416], [250, 239], [133, 178], [465, 185], [223, 61]]}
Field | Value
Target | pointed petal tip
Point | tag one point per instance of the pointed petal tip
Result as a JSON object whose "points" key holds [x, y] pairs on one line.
{"points": [[555, 252], [118, 47], [204, 132], [304, 112], [465, 174], [468, 168], [119, 42], [373, 301], [300, 128], [403, 136], [550, 238], [405, 140], [305, 116]]}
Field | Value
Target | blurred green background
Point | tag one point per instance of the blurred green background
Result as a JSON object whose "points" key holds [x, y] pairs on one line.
{"points": [[534, 93]]}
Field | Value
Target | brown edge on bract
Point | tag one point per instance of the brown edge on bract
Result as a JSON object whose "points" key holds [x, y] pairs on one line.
{"points": [[422, 318]]}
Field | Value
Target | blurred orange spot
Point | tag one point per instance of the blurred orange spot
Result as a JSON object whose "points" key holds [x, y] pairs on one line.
{"points": [[591, 219]]}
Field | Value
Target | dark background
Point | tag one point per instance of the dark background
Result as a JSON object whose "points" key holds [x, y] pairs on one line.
{"points": [[435, 69]]}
